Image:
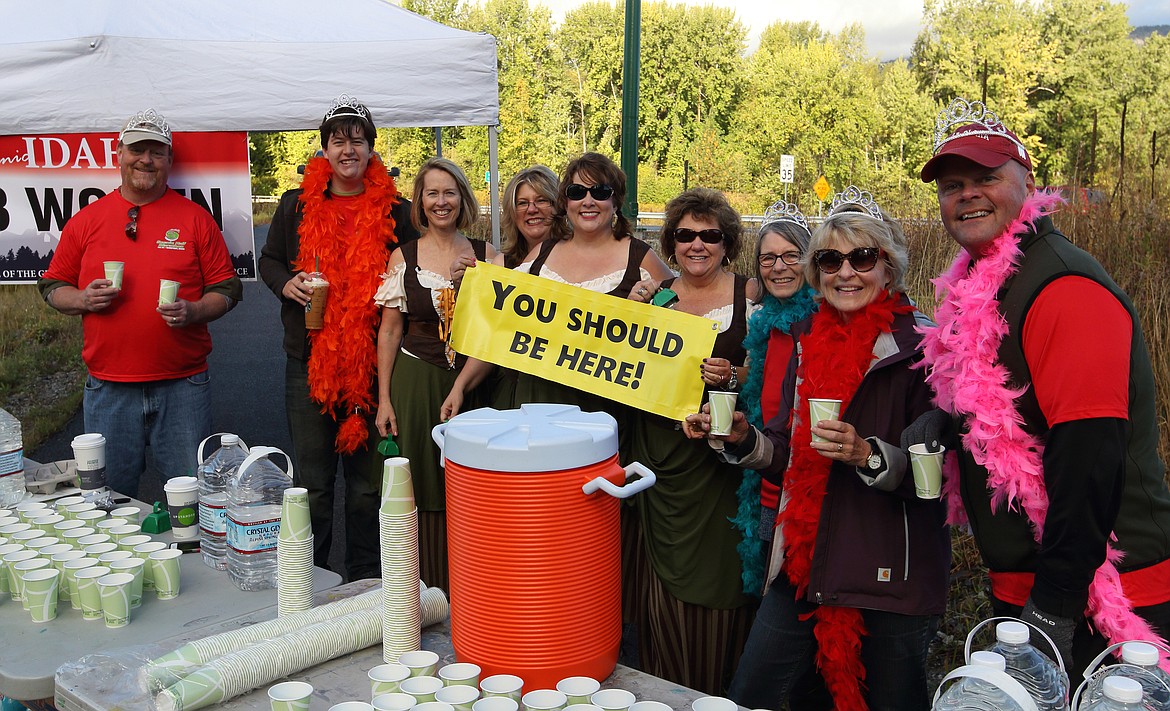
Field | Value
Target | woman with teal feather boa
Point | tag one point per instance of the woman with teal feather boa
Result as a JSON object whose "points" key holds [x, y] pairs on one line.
{"points": [[787, 300]]}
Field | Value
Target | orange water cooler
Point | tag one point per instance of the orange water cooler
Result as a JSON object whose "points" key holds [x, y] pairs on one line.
{"points": [[534, 540]]}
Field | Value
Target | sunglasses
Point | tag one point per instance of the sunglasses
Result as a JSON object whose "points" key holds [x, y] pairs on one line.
{"points": [[684, 235], [132, 225], [599, 192], [861, 259], [767, 259]]}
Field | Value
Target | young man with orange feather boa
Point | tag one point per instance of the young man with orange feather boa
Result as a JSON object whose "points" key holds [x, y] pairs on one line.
{"points": [[343, 222]]}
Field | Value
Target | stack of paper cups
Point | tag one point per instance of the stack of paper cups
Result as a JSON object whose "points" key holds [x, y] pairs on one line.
{"points": [[398, 536], [294, 554]]}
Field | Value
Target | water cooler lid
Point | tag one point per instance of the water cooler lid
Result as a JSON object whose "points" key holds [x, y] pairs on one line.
{"points": [[534, 438]]}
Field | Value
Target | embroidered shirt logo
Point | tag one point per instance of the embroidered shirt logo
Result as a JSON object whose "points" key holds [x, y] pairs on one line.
{"points": [[171, 241], [883, 575]]}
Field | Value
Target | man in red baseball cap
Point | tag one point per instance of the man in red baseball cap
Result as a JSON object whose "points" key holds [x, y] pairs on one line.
{"points": [[1059, 475]]}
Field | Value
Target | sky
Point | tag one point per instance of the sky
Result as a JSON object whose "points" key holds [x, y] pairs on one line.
{"points": [[890, 25]]}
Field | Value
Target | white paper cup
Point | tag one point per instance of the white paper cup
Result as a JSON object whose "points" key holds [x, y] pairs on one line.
{"points": [[290, 696], [722, 411], [385, 678], [128, 543], [578, 689], [433, 706], [183, 506], [714, 703], [927, 469], [584, 707], [90, 452], [41, 589], [543, 700], [134, 567], [129, 514], [420, 662], [645, 706], [115, 593], [496, 703], [460, 674], [396, 701], [460, 696], [28, 510], [114, 271], [613, 699], [422, 688], [24, 567], [821, 409], [165, 572], [89, 593], [351, 706], [70, 568], [168, 291], [506, 685]]}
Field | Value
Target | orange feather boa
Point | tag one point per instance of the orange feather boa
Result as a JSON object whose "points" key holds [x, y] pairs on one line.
{"points": [[343, 362]]}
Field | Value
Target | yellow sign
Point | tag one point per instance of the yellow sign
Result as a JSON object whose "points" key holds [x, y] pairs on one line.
{"points": [[821, 188], [644, 356]]}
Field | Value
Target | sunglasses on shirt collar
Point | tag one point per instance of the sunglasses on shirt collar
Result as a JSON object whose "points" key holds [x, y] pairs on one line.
{"points": [[132, 225]]}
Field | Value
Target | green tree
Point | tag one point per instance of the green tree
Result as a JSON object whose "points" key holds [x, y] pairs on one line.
{"points": [[590, 42]]}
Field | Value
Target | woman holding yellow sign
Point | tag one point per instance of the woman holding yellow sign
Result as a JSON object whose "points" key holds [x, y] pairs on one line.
{"points": [[416, 365], [684, 572]]}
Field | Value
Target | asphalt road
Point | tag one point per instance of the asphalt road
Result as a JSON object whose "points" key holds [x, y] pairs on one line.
{"points": [[247, 391]]}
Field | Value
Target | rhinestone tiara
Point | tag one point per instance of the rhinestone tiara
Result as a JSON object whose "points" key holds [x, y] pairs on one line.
{"points": [[854, 199], [149, 121], [346, 105], [781, 211], [961, 112]]}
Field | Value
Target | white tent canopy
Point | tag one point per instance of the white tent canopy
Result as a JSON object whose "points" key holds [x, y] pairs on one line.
{"points": [[73, 66]]}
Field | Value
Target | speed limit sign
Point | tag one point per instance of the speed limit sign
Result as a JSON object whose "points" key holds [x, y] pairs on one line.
{"points": [[787, 168]]}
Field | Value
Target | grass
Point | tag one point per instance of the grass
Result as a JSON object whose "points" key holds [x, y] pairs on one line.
{"points": [[41, 374]]}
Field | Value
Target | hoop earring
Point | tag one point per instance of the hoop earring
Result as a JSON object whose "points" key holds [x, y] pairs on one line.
{"points": [[727, 261], [671, 261]]}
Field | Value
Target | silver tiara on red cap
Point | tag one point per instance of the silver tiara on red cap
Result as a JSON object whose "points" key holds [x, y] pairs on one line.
{"points": [[961, 113], [346, 105], [854, 199], [781, 211]]}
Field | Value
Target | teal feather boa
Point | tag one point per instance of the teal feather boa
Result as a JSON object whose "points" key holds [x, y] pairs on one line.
{"points": [[774, 314]]}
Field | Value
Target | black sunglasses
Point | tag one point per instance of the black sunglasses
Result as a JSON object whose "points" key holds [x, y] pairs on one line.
{"points": [[767, 259], [685, 235], [599, 192], [132, 225], [861, 259]]}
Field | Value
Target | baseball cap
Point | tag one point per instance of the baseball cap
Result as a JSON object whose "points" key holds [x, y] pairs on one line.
{"points": [[977, 142], [148, 125]]}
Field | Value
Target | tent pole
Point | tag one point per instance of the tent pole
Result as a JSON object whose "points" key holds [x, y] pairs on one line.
{"points": [[494, 182], [439, 141]]}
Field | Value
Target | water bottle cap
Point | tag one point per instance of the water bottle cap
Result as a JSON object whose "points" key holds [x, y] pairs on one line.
{"points": [[991, 660], [1012, 632], [229, 440], [1123, 689], [1139, 653]]}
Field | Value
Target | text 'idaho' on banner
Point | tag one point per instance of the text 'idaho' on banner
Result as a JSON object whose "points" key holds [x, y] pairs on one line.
{"points": [[644, 356]]}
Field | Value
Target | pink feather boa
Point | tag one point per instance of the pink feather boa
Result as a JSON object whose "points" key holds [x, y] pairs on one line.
{"points": [[961, 355]]}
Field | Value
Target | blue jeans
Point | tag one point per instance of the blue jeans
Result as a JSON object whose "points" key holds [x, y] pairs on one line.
{"points": [[171, 416], [778, 665]]}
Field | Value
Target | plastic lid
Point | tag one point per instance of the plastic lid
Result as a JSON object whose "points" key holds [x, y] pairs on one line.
{"points": [[229, 440], [181, 483], [991, 660], [535, 438], [1012, 632], [1139, 653], [1123, 689]]}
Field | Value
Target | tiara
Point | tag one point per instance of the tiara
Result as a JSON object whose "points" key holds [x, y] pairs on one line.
{"points": [[148, 120], [781, 211], [854, 199], [962, 112], [346, 105]]}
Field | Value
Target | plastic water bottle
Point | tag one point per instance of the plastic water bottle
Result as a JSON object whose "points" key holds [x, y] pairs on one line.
{"points": [[971, 693], [253, 520], [1032, 668], [215, 473], [11, 460], [1139, 661], [1120, 694]]}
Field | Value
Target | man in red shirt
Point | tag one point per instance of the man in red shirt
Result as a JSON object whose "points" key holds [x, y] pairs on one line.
{"points": [[147, 360], [1039, 357]]}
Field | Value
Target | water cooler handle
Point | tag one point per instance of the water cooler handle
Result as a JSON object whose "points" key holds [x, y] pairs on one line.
{"points": [[199, 451], [258, 453], [1014, 689], [1051, 644], [627, 490]]}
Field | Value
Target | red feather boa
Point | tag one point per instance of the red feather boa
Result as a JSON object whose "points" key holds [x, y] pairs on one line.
{"points": [[343, 362], [835, 356]]}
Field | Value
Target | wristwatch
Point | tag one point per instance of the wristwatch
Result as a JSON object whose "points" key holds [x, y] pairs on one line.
{"points": [[874, 461], [733, 382]]}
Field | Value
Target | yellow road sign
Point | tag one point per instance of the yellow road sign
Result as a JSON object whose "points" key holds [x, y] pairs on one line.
{"points": [[822, 189]]}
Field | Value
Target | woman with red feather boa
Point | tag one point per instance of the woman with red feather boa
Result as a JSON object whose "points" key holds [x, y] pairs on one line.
{"points": [[859, 566]]}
